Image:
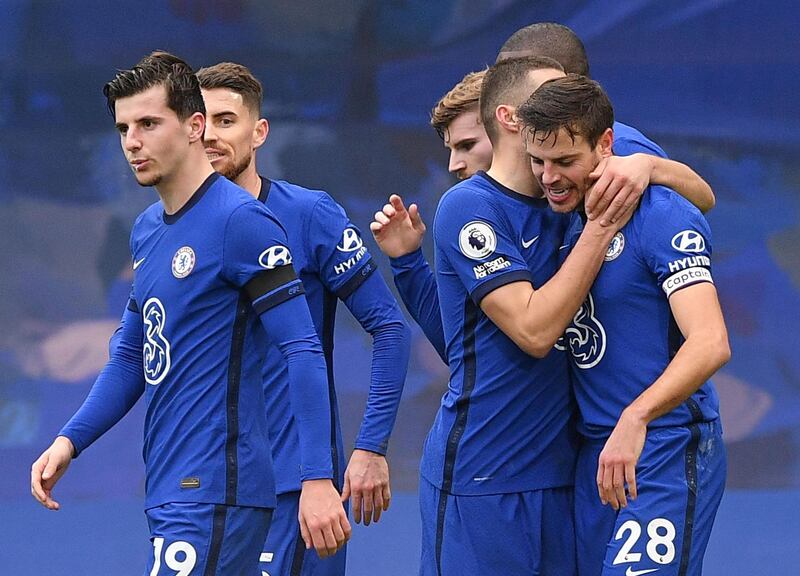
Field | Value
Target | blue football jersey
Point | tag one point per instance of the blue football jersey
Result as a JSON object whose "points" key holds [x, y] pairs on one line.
{"points": [[201, 278], [504, 422], [333, 263], [624, 335]]}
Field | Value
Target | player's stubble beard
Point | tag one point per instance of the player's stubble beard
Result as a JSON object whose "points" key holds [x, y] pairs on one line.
{"points": [[233, 170], [153, 180]]}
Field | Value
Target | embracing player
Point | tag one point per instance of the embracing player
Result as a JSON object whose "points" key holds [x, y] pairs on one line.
{"points": [[618, 180], [651, 468]]}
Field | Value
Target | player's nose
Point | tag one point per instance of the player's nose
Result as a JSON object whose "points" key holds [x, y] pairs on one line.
{"points": [[549, 174], [456, 165], [131, 141]]}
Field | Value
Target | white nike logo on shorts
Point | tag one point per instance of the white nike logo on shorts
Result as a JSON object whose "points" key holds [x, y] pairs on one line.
{"points": [[138, 262], [631, 572]]}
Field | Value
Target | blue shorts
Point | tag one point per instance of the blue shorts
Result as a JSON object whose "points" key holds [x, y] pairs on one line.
{"points": [[680, 478], [206, 539], [285, 553], [522, 533]]}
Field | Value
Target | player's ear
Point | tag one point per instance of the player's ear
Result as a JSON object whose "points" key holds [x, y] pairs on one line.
{"points": [[196, 125], [506, 117], [605, 142], [260, 132]]}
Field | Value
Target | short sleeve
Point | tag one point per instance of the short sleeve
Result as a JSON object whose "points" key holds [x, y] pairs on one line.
{"points": [[256, 257], [677, 244], [477, 241], [341, 257]]}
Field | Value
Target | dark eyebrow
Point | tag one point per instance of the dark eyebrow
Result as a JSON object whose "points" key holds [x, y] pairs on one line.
{"points": [[224, 113], [463, 141]]}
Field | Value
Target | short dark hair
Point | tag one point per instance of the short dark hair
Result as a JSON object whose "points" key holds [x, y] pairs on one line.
{"points": [[549, 39], [506, 83], [183, 90], [235, 77], [575, 103]]}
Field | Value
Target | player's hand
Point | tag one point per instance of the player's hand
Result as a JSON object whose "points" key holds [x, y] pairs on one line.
{"points": [[616, 467], [48, 469], [323, 522], [366, 483], [396, 230], [605, 232], [619, 184]]}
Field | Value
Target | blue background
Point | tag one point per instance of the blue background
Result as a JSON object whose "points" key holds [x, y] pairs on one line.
{"points": [[348, 90]]}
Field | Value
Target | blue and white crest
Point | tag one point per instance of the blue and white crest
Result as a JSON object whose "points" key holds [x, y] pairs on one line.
{"points": [[586, 336], [156, 354]]}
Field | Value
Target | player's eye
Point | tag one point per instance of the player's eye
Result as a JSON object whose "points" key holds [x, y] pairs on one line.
{"points": [[466, 146], [536, 161], [148, 124], [565, 163]]}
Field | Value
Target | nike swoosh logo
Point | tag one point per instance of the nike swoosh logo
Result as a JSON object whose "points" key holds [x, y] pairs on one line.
{"points": [[138, 262], [561, 248], [529, 242], [631, 572]]}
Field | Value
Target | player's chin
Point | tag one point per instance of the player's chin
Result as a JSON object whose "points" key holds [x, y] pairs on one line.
{"points": [[147, 179]]}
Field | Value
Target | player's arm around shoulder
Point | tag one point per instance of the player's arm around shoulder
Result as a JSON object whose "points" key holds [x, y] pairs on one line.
{"points": [[536, 317]]}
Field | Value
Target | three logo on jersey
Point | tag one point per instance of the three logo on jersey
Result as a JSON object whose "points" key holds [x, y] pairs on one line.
{"points": [[585, 337], [156, 348]]}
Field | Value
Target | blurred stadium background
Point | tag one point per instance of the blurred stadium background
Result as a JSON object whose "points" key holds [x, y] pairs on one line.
{"points": [[349, 85]]}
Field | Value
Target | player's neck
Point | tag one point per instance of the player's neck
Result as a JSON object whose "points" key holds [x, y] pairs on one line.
{"points": [[250, 180], [511, 169], [184, 182]]}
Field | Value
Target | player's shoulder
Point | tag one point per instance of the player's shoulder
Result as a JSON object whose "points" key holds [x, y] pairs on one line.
{"points": [[475, 189], [629, 140], [149, 219], [663, 208], [308, 202], [229, 196], [662, 200], [241, 210], [299, 195]]}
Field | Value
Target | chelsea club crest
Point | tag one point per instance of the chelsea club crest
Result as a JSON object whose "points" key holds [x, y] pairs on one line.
{"points": [[183, 262], [616, 247]]}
